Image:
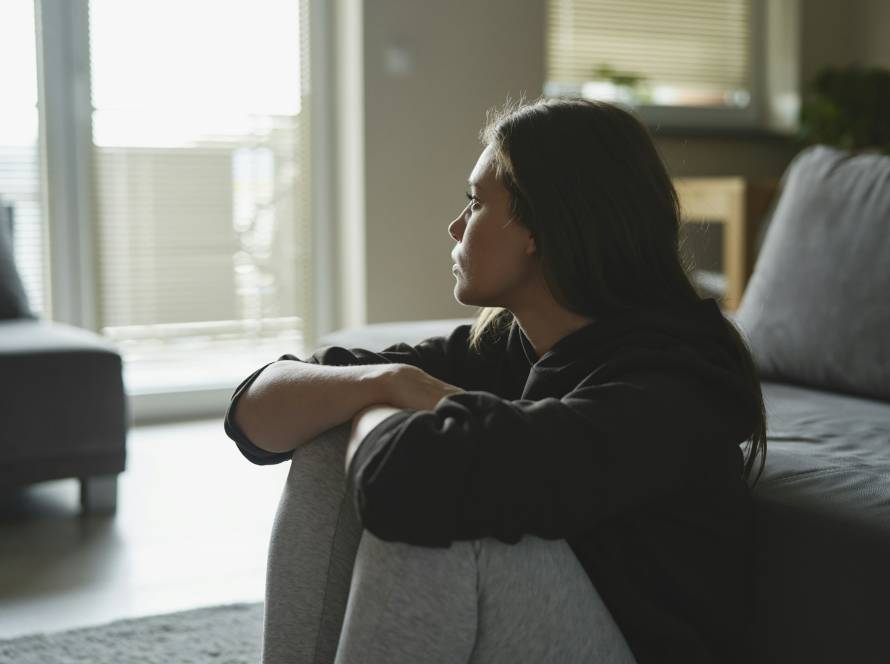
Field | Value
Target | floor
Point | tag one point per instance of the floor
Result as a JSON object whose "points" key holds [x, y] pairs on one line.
{"points": [[192, 527]]}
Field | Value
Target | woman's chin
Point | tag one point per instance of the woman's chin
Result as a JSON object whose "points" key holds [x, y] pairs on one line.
{"points": [[462, 296], [469, 299]]}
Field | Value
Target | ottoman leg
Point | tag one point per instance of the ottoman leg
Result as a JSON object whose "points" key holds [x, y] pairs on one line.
{"points": [[98, 494]]}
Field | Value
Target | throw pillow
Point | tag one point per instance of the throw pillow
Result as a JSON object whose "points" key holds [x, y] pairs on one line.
{"points": [[816, 311]]}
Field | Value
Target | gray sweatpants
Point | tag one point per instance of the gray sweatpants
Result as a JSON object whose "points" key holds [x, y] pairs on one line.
{"points": [[336, 593]]}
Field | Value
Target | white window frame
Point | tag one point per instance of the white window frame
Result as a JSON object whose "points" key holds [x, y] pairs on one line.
{"points": [[775, 94], [63, 86], [68, 200]]}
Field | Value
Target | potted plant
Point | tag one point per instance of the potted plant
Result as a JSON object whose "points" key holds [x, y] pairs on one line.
{"points": [[849, 108]]}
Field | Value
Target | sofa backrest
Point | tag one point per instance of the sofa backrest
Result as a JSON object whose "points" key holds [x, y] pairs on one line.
{"points": [[816, 310]]}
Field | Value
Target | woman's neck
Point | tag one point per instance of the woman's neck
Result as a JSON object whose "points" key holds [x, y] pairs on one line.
{"points": [[544, 327]]}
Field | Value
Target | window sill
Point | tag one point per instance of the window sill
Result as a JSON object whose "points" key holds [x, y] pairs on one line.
{"points": [[732, 133]]}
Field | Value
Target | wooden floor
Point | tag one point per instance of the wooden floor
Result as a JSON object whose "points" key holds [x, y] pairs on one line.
{"points": [[192, 529]]}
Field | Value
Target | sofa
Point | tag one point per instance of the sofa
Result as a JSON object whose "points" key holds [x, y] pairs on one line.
{"points": [[816, 314], [63, 411]]}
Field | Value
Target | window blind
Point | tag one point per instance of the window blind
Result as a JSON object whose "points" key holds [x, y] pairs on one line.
{"points": [[689, 52], [20, 179], [200, 164]]}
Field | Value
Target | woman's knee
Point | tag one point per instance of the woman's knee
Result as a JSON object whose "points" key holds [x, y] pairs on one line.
{"points": [[525, 601], [485, 560], [403, 563], [410, 603], [533, 560], [469, 576], [320, 461], [420, 584], [537, 603]]}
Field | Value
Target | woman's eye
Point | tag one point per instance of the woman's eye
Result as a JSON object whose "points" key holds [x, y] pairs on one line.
{"points": [[471, 198]]}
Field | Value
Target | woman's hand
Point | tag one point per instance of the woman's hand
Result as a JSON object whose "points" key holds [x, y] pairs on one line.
{"points": [[406, 387], [412, 388]]}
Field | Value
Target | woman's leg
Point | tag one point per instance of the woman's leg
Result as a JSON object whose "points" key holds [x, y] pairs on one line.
{"points": [[537, 604], [481, 602], [314, 539]]}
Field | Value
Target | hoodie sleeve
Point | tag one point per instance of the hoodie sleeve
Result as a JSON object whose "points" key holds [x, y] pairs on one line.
{"points": [[479, 465], [445, 358]]}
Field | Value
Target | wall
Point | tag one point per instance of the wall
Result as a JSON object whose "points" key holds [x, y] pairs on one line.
{"points": [[430, 71], [839, 33], [830, 34], [875, 25], [421, 135]]}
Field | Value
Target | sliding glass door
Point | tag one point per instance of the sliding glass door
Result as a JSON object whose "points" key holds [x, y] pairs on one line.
{"points": [[201, 186], [200, 153], [156, 156]]}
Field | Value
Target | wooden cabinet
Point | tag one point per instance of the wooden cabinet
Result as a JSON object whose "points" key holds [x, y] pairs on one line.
{"points": [[739, 204]]}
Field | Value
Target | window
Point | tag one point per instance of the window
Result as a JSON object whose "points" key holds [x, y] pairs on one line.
{"points": [[20, 181], [201, 207], [171, 196], [684, 62]]}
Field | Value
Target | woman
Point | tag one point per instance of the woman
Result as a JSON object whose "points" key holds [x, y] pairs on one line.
{"points": [[562, 480]]}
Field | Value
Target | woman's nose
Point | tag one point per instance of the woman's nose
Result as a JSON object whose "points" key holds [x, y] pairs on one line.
{"points": [[455, 228]]}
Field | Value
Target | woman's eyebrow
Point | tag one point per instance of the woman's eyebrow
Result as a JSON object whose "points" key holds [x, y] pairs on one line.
{"points": [[474, 184]]}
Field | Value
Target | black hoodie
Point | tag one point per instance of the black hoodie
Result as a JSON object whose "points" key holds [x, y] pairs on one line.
{"points": [[623, 439]]}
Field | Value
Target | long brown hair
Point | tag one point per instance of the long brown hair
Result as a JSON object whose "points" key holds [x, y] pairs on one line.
{"points": [[568, 161]]}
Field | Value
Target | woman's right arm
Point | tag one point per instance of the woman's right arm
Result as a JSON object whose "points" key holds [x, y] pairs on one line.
{"points": [[291, 402], [284, 404]]}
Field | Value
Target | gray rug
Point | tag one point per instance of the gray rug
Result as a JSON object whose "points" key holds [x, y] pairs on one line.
{"points": [[229, 634]]}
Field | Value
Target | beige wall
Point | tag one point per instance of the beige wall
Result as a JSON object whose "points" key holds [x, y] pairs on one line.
{"points": [[422, 121], [421, 135], [875, 22], [830, 34], [836, 32]]}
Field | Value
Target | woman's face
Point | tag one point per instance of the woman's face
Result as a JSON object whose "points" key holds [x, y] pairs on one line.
{"points": [[494, 255]]}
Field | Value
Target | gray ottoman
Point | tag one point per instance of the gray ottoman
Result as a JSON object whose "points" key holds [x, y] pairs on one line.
{"points": [[63, 410]]}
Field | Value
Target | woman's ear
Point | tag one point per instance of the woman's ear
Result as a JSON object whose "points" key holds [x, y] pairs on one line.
{"points": [[530, 247]]}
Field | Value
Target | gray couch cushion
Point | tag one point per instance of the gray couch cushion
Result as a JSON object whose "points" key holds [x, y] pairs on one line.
{"points": [[817, 309], [823, 528], [13, 300]]}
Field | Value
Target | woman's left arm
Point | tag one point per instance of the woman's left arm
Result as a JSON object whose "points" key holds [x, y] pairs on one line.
{"points": [[479, 465]]}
